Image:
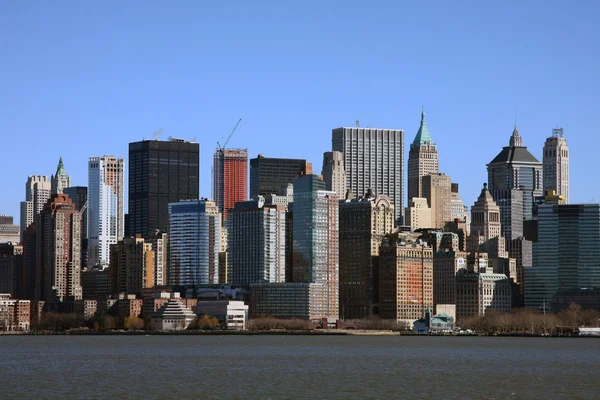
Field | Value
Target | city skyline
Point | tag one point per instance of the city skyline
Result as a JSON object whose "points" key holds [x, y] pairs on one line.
{"points": [[470, 101]]}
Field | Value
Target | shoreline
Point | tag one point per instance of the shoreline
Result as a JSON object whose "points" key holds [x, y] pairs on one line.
{"points": [[331, 332]]}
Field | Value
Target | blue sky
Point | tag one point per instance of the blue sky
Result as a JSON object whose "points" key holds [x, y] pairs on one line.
{"points": [[81, 79]]}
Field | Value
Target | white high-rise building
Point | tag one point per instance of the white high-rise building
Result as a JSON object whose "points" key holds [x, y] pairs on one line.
{"points": [[106, 219], [556, 165], [373, 159], [37, 192]]}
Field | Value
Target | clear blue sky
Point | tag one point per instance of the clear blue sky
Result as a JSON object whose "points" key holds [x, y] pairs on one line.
{"points": [[83, 78]]}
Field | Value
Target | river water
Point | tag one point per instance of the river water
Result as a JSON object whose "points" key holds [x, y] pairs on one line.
{"points": [[297, 367]]}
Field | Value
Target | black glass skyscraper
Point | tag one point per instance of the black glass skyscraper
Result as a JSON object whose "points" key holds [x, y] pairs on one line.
{"points": [[160, 172]]}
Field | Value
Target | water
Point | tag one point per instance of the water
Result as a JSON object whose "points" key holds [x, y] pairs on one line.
{"points": [[291, 367]]}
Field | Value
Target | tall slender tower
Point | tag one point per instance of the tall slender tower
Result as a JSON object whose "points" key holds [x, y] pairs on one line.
{"points": [[37, 192], [60, 180], [106, 220], [333, 172], [58, 250], [373, 159], [556, 164], [230, 178], [422, 160]]}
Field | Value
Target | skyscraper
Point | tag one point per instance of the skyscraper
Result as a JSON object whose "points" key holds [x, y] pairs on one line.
{"points": [[131, 266], [194, 243], [373, 159], [556, 164], [160, 172], [272, 175], [485, 216], [422, 160], [78, 195], [437, 189], [105, 215], [405, 277], [515, 168], [256, 243], [363, 224], [315, 239], [333, 172], [60, 180], [566, 254], [37, 192], [58, 250], [230, 178]]}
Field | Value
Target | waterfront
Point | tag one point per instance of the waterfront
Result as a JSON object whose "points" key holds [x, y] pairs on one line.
{"points": [[279, 367]]}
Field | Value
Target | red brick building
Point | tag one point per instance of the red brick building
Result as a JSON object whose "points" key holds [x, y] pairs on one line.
{"points": [[230, 179]]}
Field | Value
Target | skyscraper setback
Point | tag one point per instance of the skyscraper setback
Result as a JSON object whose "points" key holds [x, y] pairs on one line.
{"points": [[106, 221], [373, 159], [556, 165], [160, 172], [230, 178], [37, 192], [422, 160]]}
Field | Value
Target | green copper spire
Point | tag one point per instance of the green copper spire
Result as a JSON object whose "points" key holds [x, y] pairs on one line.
{"points": [[60, 170], [423, 137]]}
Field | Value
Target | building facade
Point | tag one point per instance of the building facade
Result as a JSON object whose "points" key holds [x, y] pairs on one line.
{"points": [[405, 277], [131, 266], [363, 223], [422, 160], [480, 293], [194, 243], [58, 252], [230, 178], [256, 244], [160, 172], [11, 266], [373, 159], [446, 265], [437, 189], [333, 172], [272, 175], [555, 160], [307, 301], [315, 238], [105, 210], [566, 254], [37, 192], [418, 214], [15, 315], [78, 195]]}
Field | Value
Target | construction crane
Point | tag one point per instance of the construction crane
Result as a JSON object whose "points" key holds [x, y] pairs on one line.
{"points": [[219, 147]]}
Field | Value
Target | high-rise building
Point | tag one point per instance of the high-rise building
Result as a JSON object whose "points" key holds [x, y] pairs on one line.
{"points": [[28, 275], [373, 159], [160, 172], [194, 243], [482, 292], [37, 192], [485, 218], [11, 266], [272, 175], [363, 224], [418, 214], [78, 195], [333, 172], [446, 265], [256, 243], [315, 239], [566, 254], [131, 266], [459, 211], [58, 266], [8, 231], [106, 220], [556, 164], [230, 178], [160, 245], [422, 160], [515, 169], [405, 277], [60, 181], [437, 189]]}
